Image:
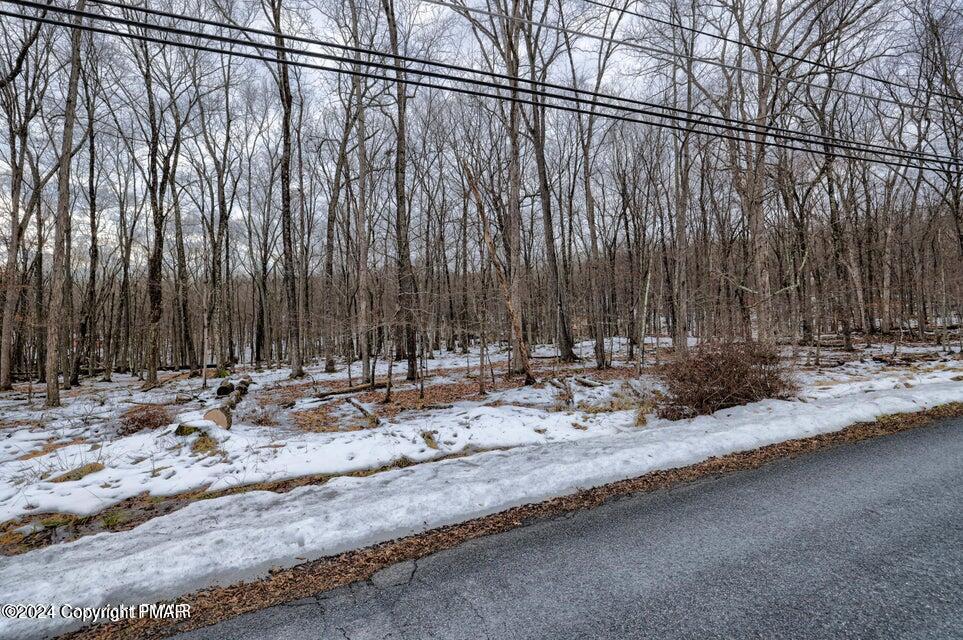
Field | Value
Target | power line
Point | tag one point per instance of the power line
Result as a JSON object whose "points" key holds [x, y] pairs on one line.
{"points": [[757, 47], [455, 89], [765, 128], [658, 52], [430, 85]]}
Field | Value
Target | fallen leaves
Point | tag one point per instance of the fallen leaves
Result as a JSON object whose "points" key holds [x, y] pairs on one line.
{"points": [[316, 420], [284, 585]]}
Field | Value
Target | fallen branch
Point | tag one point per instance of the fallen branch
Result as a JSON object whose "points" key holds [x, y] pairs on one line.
{"points": [[565, 391], [587, 382], [354, 389], [180, 398], [360, 407], [364, 410], [162, 382]]}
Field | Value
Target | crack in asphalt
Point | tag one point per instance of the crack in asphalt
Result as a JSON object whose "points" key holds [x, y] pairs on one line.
{"points": [[414, 570], [385, 579], [471, 607], [298, 603]]}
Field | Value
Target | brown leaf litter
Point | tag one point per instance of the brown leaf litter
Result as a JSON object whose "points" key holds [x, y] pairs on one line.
{"points": [[218, 603]]}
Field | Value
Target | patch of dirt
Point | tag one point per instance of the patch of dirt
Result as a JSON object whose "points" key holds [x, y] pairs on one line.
{"points": [[263, 416], [30, 425], [316, 420], [215, 604], [405, 396], [54, 528], [435, 394], [544, 369], [146, 416], [49, 447], [79, 472]]}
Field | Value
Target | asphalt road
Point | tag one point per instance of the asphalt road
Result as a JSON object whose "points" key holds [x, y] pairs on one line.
{"points": [[862, 541]]}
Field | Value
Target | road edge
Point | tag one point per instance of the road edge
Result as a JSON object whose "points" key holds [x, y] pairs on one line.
{"points": [[215, 604]]}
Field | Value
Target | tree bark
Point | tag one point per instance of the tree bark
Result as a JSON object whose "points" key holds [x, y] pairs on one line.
{"points": [[55, 310], [287, 242]]}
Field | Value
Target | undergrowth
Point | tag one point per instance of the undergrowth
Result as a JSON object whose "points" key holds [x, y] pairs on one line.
{"points": [[711, 377]]}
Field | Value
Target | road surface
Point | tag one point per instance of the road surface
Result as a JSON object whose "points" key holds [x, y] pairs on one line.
{"points": [[861, 541]]}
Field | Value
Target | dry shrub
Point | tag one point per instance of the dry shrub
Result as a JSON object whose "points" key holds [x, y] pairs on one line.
{"points": [[263, 416], [147, 416], [205, 445], [718, 376], [642, 416], [429, 438]]}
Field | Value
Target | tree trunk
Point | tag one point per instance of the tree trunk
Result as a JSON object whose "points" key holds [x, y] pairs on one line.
{"points": [[290, 286], [55, 310], [407, 286]]}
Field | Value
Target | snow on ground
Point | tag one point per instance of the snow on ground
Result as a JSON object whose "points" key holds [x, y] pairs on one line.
{"points": [[160, 463], [243, 536]]}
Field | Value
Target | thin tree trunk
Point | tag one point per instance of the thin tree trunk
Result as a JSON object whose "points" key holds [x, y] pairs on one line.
{"points": [[55, 310]]}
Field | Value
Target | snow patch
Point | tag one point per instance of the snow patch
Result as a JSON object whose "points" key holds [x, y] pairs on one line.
{"points": [[242, 537]]}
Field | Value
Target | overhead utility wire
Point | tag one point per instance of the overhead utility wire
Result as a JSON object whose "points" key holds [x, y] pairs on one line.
{"points": [[808, 137], [757, 47], [445, 87], [354, 72], [659, 52], [766, 129]]}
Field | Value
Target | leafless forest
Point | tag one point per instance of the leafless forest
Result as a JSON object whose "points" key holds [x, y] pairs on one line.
{"points": [[278, 182]]}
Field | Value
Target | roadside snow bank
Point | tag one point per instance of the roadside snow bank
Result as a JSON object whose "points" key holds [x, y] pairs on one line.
{"points": [[241, 537]]}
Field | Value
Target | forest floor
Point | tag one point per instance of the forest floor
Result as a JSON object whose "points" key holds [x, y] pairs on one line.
{"points": [[302, 475]]}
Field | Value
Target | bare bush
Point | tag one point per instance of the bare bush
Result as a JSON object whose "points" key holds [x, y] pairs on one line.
{"points": [[713, 377], [148, 416]]}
